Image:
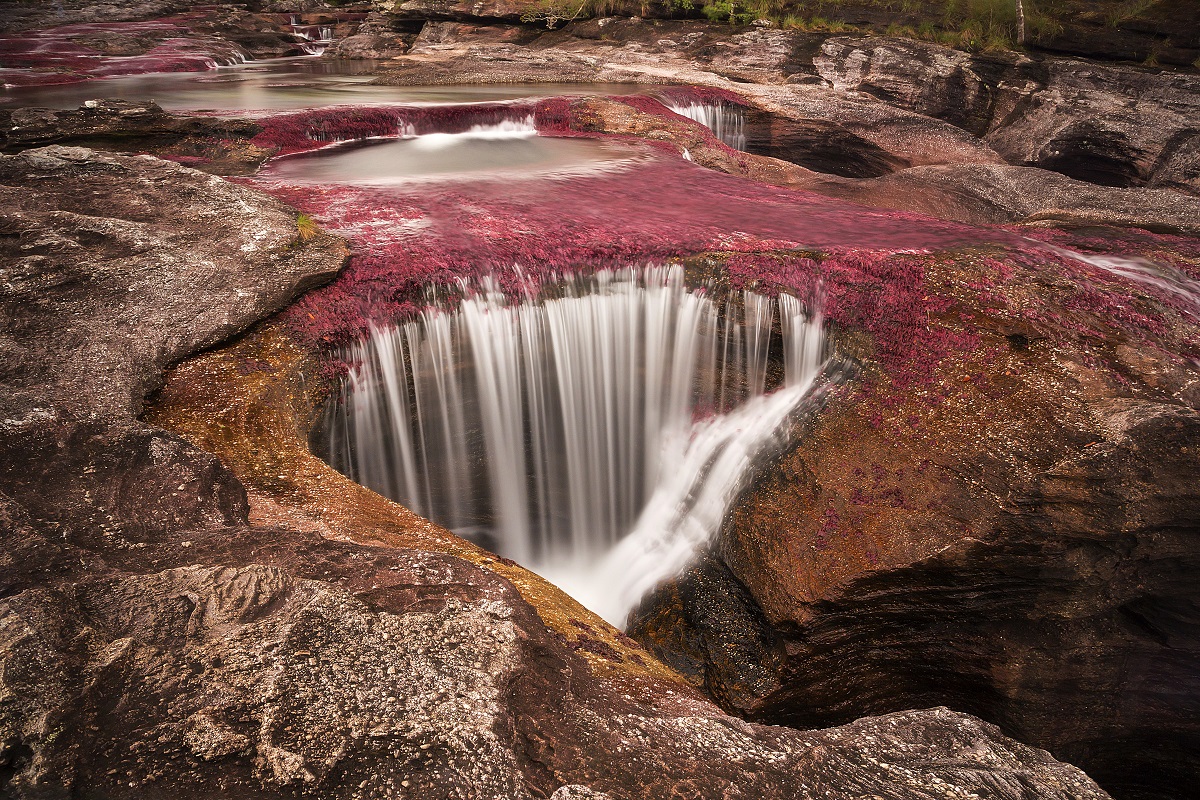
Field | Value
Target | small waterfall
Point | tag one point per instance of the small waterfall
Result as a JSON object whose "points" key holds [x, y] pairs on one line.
{"points": [[726, 120], [515, 128], [614, 413], [325, 33]]}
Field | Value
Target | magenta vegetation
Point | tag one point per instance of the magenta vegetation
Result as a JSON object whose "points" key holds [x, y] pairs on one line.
{"points": [[871, 267], [63, 55]]}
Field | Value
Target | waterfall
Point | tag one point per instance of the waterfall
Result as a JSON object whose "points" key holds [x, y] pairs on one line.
{"points": [[515, 128], [609, 414], [726, 120]]}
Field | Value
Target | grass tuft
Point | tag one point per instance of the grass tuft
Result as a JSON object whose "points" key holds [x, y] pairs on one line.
{"points": [[306, 228]]}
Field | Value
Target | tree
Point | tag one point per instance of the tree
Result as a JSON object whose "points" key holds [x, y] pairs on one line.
{"points": [[1020, 22]]}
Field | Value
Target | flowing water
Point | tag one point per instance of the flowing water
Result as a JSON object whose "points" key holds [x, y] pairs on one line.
{"points": [[725, 120], [282, 84], [509, 149], [1163, 277], [597, 434]]}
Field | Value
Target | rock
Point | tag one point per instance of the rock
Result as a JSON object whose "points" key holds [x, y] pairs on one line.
{"points": [[988, 194], [99, 240], [137, 126], [1009, 537], [117, 266], [577, 792], [163, 644], [19, 16], [373, 39], [270, 664], [819, 145], [969, 91], [1110, 125]]}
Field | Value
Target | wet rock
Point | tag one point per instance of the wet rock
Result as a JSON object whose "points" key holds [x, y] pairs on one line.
{"points": [[144, 127], [159, 644], [1008, 540]]}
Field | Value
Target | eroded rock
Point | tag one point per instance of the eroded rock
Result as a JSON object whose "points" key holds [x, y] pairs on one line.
{"points": [[195, 655], [1008, 539]]}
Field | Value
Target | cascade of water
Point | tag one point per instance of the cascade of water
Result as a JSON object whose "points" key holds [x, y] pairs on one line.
{"points": [[325, 33], [521, 127], [710, 466], [725, 120], [1140, 270], [589, 406]]}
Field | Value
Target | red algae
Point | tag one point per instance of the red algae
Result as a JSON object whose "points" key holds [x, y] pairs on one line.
{"points": [[405, 238], [73, 53], [312, 129], [877, 271]]}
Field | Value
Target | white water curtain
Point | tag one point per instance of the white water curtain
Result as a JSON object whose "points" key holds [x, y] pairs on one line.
{"points": [[598, 435]]}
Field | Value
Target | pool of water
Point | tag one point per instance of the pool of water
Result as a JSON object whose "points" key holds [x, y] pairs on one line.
{"points": [[501, 151], [283, 84]]}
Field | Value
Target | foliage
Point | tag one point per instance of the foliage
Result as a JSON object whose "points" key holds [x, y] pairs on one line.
{"points": [[1128, 10], [306, 227], [728, 11], [554, 13], [966, 24]]}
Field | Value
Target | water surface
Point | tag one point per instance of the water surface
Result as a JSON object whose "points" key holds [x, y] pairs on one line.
{"points": [[283, 84]]}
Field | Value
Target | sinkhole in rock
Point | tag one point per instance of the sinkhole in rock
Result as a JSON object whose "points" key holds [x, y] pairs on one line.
{"points": [[596, 431]]}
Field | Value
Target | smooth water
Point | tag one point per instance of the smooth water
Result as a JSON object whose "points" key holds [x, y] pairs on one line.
{"points": [[620, 416], [283, 84], [510, 149]]}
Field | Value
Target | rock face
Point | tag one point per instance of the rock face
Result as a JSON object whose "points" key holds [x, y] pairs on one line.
{"points": [[155, 642], [1009, 535], [1106, 125], [137, 126]]}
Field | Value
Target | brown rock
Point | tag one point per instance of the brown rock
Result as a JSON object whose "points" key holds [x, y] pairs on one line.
{"points": [[157, 644]]}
